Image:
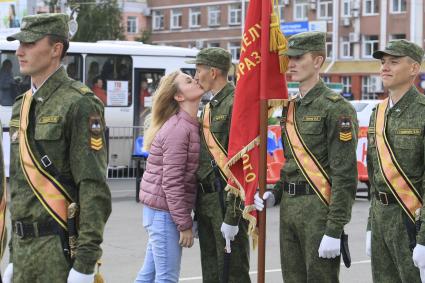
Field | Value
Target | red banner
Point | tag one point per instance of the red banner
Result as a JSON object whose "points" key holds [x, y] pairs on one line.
{"points": [[244, 139]]}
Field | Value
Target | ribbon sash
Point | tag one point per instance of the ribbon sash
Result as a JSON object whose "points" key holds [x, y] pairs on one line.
{"points": [[49, 191], [395, 178], [314, 173]]}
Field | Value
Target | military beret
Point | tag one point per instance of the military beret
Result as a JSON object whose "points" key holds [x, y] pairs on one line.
{"points": [[35, 27], [401, 48], [213, 56], [304, 42]]}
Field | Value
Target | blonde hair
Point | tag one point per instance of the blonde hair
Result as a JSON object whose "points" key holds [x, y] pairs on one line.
{"points": [[163, 107]]}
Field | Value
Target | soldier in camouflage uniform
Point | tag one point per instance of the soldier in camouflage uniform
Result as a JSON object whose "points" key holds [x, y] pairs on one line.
{"points": [[387, 240], [310, 231], [218, 212], [66, 121]]}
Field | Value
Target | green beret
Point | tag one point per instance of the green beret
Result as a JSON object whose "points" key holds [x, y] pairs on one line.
{"points": [[35, 27], [213, 56], [401, 48], [304, 42]]}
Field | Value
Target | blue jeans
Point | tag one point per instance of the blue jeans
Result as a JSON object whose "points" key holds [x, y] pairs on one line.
{"points": [[163, 252]]}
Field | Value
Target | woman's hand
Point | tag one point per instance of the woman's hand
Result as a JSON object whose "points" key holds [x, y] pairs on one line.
{"points": [[186, 238]]}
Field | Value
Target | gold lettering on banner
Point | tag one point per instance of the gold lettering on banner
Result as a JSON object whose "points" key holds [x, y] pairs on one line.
{"points": [[247, 166], [250, 61]]}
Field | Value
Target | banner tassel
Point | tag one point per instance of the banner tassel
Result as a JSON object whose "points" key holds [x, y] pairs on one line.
{"points": [[98, 278], [278, 42], [252, 226]]}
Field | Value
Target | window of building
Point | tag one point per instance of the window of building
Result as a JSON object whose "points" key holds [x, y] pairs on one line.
{"points": [[176, 18], [195, 17], [158, 20], [214, 15], [370, 44], [398, 6], [346, 84], [300, 10], [346, 8], [370, 86], [235, 50], [347, 48], [280, 9], [329, 47], [325, 9], [132, 24], [371, 7], [235, 14], [326, 79], [213, 44], [397, 36]]}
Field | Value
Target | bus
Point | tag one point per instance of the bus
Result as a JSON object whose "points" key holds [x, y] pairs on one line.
{"points": [[123, 74]]}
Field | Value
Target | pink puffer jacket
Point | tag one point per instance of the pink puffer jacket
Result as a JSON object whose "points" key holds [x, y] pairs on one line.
{"points": [[169, 182]]}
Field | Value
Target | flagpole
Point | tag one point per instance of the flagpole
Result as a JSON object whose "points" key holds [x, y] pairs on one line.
{"points": [[265, 23]]}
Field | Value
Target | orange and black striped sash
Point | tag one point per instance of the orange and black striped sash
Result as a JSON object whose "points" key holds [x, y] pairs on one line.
{"points": [[217, 151], [51, 194], [401, 187], [308, 164]]}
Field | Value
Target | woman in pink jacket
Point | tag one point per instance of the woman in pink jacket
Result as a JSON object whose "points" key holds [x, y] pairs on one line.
{"points": [[168, 187]]}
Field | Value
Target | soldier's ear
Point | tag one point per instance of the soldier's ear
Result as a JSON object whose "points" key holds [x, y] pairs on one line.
{"points": [[57, 49]]}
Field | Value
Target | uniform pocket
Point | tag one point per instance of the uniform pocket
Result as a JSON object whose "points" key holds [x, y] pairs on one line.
{"points": [[48, 131], [311, 128], [219, 126], [408, 141]]}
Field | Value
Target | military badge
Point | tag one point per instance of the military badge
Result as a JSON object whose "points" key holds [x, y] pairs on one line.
{"points": [[95, 128], [345, 126]]}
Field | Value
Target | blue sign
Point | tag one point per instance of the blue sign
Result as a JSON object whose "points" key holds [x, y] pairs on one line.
{"points": [[292, 28]]}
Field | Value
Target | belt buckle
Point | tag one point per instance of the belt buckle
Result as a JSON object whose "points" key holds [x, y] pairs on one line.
{"points": [[291, 189], [46, 161], [19, 229], [383, 198]]}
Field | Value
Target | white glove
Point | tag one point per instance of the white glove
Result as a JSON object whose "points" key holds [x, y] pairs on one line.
{"points": [[195, 229], [8, 273], [259, 203], [368, 243], [229, 232], [76, 277], [422, 272], [329, 247], [419, 256]]}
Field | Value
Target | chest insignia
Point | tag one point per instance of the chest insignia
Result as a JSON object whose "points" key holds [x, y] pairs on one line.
{"points": [[312, 118], [414, 132]]}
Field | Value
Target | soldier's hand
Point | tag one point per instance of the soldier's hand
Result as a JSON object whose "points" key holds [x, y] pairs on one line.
{"points": [[77, 277], [259, 202], [8, 274], [329, 247], [419, 256], [186, 238], [229, 232], [368, 243]]}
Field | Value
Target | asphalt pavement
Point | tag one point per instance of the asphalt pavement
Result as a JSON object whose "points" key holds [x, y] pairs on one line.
{"points": [[125, 242]]}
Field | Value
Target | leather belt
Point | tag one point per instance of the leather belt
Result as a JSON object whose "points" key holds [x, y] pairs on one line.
{"points": [[385, 198], [298, 189], [32, 230], [206, 189]]}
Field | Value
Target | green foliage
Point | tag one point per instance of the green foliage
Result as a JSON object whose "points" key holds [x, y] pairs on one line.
{"points": [[144, 36], [98, 20]]}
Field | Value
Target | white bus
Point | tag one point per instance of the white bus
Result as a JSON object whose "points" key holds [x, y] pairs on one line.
{"points": [[122, 74]]}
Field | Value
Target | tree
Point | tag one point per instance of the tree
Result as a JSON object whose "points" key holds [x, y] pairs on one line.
{"points": [[98, 20]]}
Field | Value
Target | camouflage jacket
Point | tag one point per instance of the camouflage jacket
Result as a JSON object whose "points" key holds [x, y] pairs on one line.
{"points": [[64, 110], [407, 145], [319, 115], [221, 114]]}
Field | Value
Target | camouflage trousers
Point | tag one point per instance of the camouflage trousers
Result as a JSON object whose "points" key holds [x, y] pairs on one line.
{"points": [[39, 260], [302, 226], [391, 256], [211, 242]]}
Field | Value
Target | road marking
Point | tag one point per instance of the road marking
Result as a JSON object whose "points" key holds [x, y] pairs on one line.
{"points": [[267, 271]]}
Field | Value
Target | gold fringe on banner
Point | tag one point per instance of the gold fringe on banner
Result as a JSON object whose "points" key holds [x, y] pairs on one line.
{"points": [[252, 226], [98, 278], [278, 42]]}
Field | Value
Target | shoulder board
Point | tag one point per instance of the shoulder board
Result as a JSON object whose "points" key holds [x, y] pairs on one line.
{"points": [[81, 88], [19, 97], [334, 97]]}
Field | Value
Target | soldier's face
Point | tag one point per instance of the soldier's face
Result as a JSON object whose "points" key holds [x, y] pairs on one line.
{"points": [[189, 89], [301, 68], [36, 58], [397, 71], [204, 77]]}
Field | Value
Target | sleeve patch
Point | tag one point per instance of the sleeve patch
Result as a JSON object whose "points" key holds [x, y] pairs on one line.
{"points": [[95, 128], [345, 129]]}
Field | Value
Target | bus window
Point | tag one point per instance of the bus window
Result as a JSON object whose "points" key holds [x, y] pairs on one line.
{"points": [[12, 83], [110, 78], [74, 67], [147, 81]]}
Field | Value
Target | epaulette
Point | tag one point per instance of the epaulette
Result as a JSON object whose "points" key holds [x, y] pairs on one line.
{"points": [[334, 97], [19, 97], [81, 88]]}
